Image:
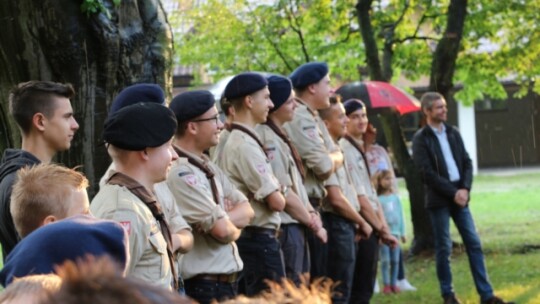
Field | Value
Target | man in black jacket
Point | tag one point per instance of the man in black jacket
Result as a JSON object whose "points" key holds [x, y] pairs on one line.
{"points": [[43, 112], [446, 170]]}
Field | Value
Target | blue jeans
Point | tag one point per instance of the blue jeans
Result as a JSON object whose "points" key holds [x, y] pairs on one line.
{"points": [[365, 270], [204, 291], [341, 255], [295, 251], [389, 264], [462, 217], [263, 260]]}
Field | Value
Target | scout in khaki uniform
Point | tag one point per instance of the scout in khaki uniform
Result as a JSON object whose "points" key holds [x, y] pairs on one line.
{"points": [[245, 162], [147, 92], [289, 170], [341, 211], [208, 201], [312, 88], [368, 249], [139, 142]]}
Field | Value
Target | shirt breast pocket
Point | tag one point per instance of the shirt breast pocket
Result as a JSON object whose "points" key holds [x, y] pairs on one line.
{"points": [[160, 261]]}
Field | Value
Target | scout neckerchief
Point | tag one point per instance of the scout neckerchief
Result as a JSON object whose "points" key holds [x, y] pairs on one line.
{"points": [[300, 101], [155, 207], [285, 138], [355, 144], [204, 168], [235, 126]]}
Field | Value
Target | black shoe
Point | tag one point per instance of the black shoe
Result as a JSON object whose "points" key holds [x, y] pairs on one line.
{"points": [[451, 299], [495, 300]]}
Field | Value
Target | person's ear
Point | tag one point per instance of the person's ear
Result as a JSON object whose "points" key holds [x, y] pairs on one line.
{"points": [[192, 128], [248, 101], [39, 121], [144, 154], [312, 88], [49, 219]]}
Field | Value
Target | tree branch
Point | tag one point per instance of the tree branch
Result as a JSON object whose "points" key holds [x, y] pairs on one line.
{"points": [[414, 37], [297, 29], [274, 45]]}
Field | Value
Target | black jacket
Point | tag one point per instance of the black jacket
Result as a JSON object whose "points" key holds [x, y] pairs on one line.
{"points": [[12, 161], [429, 160]]}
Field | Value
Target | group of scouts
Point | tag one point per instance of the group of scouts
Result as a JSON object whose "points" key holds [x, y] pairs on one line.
{"points": [[280, 189]]}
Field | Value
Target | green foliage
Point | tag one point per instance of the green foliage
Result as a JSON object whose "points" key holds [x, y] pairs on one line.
{"points": [[96, 6], [229, 36]]}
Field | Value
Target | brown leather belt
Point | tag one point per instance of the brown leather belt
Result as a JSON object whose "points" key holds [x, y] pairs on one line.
{"points": [[222, 278], [253, 231]]}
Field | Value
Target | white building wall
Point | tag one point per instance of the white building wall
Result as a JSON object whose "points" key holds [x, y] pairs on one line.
{"points": [[467, 128]]}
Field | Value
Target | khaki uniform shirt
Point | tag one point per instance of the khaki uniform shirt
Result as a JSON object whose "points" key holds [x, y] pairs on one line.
{"points": [[193, 193], [148, 259], [307, 132], [343, 180], [359, 173], [283, 166], [249, 169], [216, 151], [165, 198]]}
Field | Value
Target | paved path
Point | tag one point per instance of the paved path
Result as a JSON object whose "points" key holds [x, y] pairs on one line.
{"points": [[509, 171]]}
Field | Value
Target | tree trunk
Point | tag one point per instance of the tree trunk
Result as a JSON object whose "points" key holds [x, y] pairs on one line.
{"points": [[54, 40], [423, 233], [446, 53]]}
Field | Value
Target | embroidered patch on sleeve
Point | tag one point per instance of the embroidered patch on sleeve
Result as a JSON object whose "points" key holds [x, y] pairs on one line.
{"points": [[311, 131], [261, 168], [127, 226], [191, 180]]}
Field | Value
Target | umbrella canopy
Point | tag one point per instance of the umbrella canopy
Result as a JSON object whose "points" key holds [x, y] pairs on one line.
{"points": [[378, 94]]}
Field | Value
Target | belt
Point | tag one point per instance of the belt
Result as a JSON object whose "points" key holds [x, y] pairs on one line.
{"points": [[253, 230], [222, 278]]}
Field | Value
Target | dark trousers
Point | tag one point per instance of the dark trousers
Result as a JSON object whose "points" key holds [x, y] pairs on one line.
{"points": [[295, 251], [365, 270], [263, 260], [204, 291], [341, 255], [317, 249]]}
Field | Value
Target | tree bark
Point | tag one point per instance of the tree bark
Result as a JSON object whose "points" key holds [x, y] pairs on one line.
{"points": [[54, 40], [444, 60], [423, 233]]}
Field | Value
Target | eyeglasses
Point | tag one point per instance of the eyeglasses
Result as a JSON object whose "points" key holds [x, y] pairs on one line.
{"points": [[214, 118]]}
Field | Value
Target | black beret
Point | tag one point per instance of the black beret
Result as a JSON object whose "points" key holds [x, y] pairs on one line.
{"points": [[189, 105], [141, 92], [352, 105], [308, 73], [280, 90], [140, 126], [244, 84]]}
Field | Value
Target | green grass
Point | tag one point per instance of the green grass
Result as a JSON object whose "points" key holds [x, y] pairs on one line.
{"points": [[506, 210]]}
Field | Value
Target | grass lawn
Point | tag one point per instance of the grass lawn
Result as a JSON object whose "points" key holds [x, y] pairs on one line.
{"points": [[506, 210]]}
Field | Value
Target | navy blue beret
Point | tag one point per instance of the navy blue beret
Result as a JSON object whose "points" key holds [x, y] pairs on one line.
{"points": [[140, 126], [189, 105], [280, 90], [353, 105], [308, 73], [141, 92], [244, 84], [68, 239]]}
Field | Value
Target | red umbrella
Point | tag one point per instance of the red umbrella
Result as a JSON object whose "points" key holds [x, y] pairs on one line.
{"points": [[378, 94]]}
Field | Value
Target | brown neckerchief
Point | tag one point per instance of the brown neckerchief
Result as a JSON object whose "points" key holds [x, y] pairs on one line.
{"points": [[300, 101], [355, 144], [204, 168], [227, 126], [285, 138], [248, 132], [155, 207]]}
